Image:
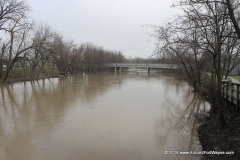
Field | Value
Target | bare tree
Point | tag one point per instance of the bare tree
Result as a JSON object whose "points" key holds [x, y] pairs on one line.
{"points": [[233, 8], [19, 42], [11, 13], [62, 51], [201, 39], [11, 10], [231, 53], [180, 41], [41, 52]]}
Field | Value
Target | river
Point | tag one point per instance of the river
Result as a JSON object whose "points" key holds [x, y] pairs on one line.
{"points": [[104, 116]]}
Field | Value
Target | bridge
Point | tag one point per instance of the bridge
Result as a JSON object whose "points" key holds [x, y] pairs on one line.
{"points": [[148, 66]]}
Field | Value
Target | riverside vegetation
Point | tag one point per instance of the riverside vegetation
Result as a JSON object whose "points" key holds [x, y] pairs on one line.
{"points": [[30, 51], [204, 41]]}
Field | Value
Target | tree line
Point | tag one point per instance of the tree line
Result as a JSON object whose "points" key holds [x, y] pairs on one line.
{"points": [[28, 49], [204, 41]]}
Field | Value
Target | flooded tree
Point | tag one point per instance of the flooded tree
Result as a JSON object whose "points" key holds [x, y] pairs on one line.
{"points": [[14, 27], [18, 33], [40, 54]]}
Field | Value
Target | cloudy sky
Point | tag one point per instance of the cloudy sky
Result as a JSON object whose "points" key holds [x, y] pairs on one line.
{"points": [[112, 24]]}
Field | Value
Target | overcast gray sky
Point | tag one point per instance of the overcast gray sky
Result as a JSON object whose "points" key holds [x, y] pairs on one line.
{"points": [[112, 24]]}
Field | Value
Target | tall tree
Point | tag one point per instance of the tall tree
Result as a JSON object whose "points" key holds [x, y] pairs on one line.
{"points": [[203, 32], [11, 13], [19, 42]]}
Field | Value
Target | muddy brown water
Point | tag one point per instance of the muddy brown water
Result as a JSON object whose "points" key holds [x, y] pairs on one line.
{"points": [[106, 116]]}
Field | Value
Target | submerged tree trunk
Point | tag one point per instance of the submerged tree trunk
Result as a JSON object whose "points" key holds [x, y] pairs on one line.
{"points": [[24, 67], [8, 71]]}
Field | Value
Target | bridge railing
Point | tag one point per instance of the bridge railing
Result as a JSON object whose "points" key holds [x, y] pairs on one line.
{"points": [[230, 91], [139, 65]]}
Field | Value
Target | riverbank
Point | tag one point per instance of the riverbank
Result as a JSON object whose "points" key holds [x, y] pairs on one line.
{"points": [[15, 78], [227, 139]]}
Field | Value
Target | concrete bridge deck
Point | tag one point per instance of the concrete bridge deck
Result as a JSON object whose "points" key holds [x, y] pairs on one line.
{"points": [[142, 65]]}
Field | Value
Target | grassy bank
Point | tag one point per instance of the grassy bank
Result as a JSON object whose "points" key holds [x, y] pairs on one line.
{"points": [[19, 74], [236, 77]]}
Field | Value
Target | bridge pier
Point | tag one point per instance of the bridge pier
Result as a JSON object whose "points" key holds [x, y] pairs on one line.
{"points": [[148, 69], [118, 69]]}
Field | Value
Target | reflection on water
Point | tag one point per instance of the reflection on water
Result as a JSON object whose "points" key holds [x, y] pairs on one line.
{"points": [[101, 116]]}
